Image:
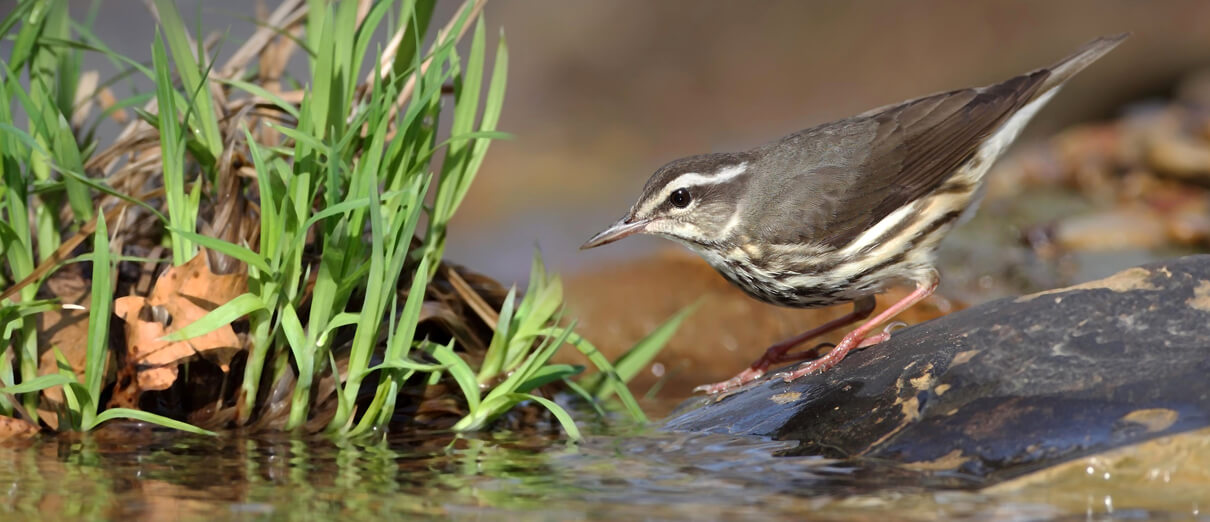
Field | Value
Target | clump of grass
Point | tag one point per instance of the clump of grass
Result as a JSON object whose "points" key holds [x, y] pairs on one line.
{"points": [[327, 197]]}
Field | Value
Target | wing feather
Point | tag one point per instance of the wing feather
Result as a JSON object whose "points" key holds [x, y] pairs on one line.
{"points": [[842, 178], [908, 151]]}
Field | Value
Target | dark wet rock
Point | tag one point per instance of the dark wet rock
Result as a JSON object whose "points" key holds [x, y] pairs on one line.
{"points": [[1006, 387]]}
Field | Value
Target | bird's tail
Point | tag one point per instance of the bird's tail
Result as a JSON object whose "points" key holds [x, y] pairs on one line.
{"points": [[1077, 61]]}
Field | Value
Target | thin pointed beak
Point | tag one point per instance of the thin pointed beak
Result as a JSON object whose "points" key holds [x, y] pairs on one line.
{"points": [[615, 232]]}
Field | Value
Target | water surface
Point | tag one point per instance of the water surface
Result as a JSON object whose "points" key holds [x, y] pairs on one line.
{"points": [[135, 472]]}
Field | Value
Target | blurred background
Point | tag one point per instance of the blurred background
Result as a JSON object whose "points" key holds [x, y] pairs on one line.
{"points": [[601, 93]]}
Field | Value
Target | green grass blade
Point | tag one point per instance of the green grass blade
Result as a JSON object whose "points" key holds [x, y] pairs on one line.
{"points": [[98, 47], [105, 189], [641, 354], [537, 272], [191, 70], [548, 374], [493, 360], [534, 362], [264, 94], [320, 38], [346, 65], [564, 418], [416, 15], [14, 17], [459, 369], [27, 308], [126, 413], [408, 364], [99, 312], [339, 320], [493, 406], [497, 405], [400, 342], [300, 136], [67, 157], [539, 310], [172, 155], [612, 380], [296, 336], [38, 383], [217, 318], [365, 35], [493, 107], [304, 359], [34, 15], [472, 81], [586, 397], [241, 253], [78, 403], [23, 137]]}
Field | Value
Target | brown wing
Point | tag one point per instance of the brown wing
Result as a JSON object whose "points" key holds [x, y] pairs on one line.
{"points": [[918, 147], [843, 177], [837, 180]]}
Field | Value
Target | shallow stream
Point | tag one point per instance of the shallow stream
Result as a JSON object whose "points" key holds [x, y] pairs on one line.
{"points": [[136, 473]]}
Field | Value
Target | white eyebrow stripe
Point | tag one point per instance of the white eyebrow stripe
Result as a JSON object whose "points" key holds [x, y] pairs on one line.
{"points": [[694, 179]]}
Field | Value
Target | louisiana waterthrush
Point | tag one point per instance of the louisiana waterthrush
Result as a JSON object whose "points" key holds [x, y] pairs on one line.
{"points": [[834, 213]]}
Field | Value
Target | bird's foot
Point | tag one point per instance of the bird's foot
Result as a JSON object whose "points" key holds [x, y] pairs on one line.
{"points": [[821, 364], [777, 354], [849, 343], [751, 374]]}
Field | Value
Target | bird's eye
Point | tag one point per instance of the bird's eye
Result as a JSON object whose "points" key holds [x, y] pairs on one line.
{"points": [[680, 198]]}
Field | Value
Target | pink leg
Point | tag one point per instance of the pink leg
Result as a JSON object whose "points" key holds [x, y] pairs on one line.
{"points": [[778, 353], [857, 338]]}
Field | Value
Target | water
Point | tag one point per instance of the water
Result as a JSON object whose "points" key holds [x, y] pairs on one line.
{"points": [[134, 472]]}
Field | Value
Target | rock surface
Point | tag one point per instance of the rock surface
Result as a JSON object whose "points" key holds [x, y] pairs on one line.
{"points": [[1003, 388]]}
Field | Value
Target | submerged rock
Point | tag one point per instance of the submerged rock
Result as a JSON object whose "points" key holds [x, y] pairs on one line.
{"points": [[1006, 387]]}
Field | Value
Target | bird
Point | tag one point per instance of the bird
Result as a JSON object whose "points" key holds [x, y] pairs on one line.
{"points": [[838, 212]]}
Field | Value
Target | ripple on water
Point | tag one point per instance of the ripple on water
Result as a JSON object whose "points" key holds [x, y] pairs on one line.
{"points": [[148, 473]]}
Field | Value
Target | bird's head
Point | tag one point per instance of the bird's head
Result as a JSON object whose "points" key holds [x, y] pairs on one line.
{"points": [[694, 200]]}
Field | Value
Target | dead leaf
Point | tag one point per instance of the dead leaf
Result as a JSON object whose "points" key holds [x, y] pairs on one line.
{"points": [[191, 290], [48, 416], [181, 295], [65, 329], [12, 428]]}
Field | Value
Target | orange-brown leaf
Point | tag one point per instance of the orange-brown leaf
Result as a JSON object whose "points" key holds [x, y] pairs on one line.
{"points": [[14, 429], [185, 293]]}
